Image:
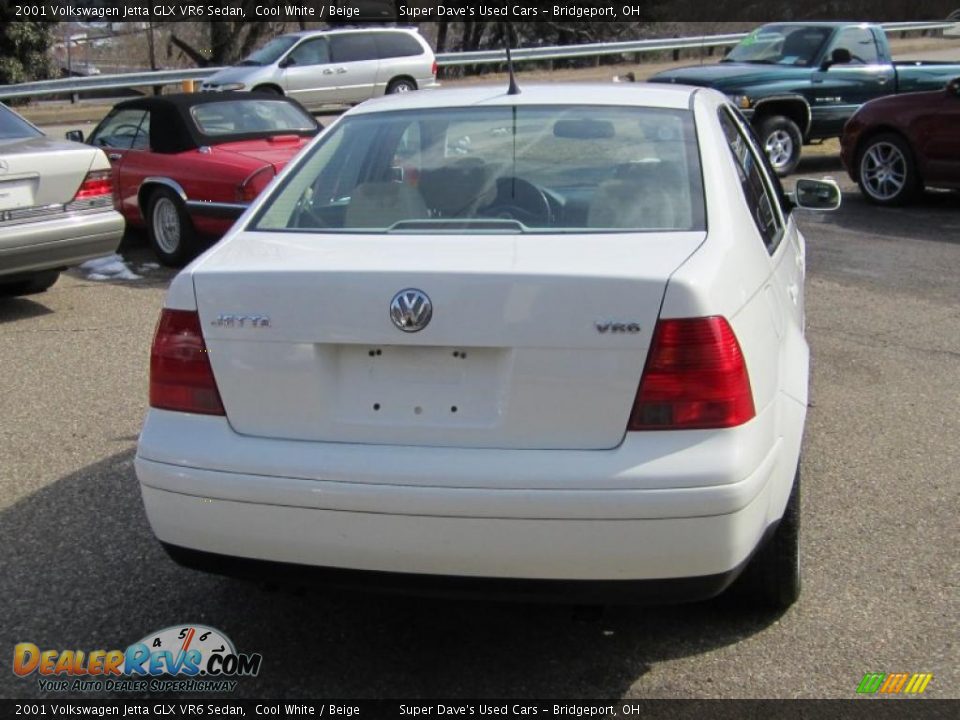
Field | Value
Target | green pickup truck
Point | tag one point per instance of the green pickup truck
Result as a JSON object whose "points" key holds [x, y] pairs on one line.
{"points": [[799, 82]]}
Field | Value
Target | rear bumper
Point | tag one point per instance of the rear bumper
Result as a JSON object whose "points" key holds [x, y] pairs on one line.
{"points": [[61, 242], [620, 518], [670, 590]]}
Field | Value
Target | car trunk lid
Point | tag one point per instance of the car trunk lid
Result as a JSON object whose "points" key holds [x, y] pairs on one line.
{"points": [[41, 171], [276, 151], [534, 342]]}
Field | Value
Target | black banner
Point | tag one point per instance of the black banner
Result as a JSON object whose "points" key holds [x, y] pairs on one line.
{"points": [[414, 11], [432, 708]]}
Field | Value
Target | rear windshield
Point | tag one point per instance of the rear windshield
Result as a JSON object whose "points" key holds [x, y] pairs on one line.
{"points": [[13, 127], [239, 117], [497, 169]]}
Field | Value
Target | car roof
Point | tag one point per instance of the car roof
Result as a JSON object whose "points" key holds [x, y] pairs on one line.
{"points": [[340, 30], [171, 130], [655, 95]]}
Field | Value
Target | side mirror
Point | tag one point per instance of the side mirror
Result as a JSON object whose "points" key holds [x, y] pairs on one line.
{"points": [[286, 62], [75, 135], [817, 194]]}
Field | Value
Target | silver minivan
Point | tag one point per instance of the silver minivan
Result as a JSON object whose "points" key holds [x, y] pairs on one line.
{"points": [[334, 66]]}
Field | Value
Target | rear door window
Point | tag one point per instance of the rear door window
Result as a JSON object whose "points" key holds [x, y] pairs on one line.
{"points": [[353, 47], [758, 189]]}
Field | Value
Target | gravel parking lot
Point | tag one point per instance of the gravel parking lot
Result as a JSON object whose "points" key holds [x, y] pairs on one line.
{"points": [[81, 569]]}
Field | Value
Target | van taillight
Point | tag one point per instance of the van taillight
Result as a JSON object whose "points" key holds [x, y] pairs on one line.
{"points": [[180, 374], [695, 378], [434, 68]]}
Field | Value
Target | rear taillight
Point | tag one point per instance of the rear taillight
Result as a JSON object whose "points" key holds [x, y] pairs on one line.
{"points": [[695, 378], [180, 374], [96, 184], [255, 183], [434, 68]]}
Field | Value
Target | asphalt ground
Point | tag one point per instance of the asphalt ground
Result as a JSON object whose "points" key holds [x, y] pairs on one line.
{"points": [[80, 569]]}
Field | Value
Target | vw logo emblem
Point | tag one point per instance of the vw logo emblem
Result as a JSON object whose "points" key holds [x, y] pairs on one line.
{"points": [[411, 310]]}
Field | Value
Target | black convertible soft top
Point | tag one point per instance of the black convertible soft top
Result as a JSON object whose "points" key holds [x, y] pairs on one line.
{"points": [[172, 128]]}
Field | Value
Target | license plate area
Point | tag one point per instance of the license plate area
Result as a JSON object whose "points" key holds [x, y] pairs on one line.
{"points": [[420, 386], [17, 194]]}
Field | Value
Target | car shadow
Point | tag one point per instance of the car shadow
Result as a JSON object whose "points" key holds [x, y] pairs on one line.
{"points": [[21, 308], [934, 217], [82, 570]]}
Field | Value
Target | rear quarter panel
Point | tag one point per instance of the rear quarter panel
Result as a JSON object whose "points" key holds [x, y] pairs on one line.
{"points": [[732, 275]]}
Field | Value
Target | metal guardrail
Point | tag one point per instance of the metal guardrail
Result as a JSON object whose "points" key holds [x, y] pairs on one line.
{"points": [[482, 57]]}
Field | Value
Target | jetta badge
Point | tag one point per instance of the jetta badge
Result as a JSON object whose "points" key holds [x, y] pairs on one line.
{"points": [[411, 310]]}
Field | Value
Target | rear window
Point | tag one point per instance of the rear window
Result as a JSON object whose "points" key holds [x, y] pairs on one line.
{"points": [[240, 117], [13, 127], [497, 169]]}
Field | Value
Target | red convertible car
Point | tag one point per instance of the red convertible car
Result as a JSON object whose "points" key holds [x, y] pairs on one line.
{"points": [[895, 146], [186, 166]]}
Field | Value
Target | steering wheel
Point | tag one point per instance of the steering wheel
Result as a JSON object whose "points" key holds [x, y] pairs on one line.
{"points": [[126, 129], [302, 211], [520, 200]]}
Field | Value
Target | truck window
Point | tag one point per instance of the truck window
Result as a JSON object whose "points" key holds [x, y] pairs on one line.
{"points": [[861, 44]]}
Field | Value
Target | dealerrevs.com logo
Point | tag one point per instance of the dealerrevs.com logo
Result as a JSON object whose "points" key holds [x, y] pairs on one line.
{"points": [[197, 658]]}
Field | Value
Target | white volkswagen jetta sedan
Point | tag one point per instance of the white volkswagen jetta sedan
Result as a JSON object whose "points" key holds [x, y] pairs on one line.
{"points": [[541, 343]]}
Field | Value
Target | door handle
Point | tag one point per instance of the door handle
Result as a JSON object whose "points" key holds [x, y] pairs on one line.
{"points": [[327, 71], [341, 70], [114, 156]]}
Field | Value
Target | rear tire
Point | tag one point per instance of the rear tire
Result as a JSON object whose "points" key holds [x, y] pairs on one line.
{"points": [[781, 140], [401, 85], [772, 580], [170, 229], [886, 170], [37, 283]]}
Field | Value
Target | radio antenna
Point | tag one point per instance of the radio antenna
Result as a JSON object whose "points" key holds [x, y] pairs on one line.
{"points": [[513, 89]]}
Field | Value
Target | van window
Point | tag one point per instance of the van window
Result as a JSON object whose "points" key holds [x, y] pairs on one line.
{"points": [[353, 47], [311, 52], [393, 44]]}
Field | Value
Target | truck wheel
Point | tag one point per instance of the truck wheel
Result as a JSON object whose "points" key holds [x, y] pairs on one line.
{"points": [[781, 140], [886, 171], [772, 579], [37, 283], [170, 228]]}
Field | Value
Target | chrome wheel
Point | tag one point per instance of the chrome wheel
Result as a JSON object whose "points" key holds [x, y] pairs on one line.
{"points": [[779, 148], [166, 225], [883, 171]]}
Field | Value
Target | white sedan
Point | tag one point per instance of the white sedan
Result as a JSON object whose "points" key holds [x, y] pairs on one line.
{"points": [[541, 343]]}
